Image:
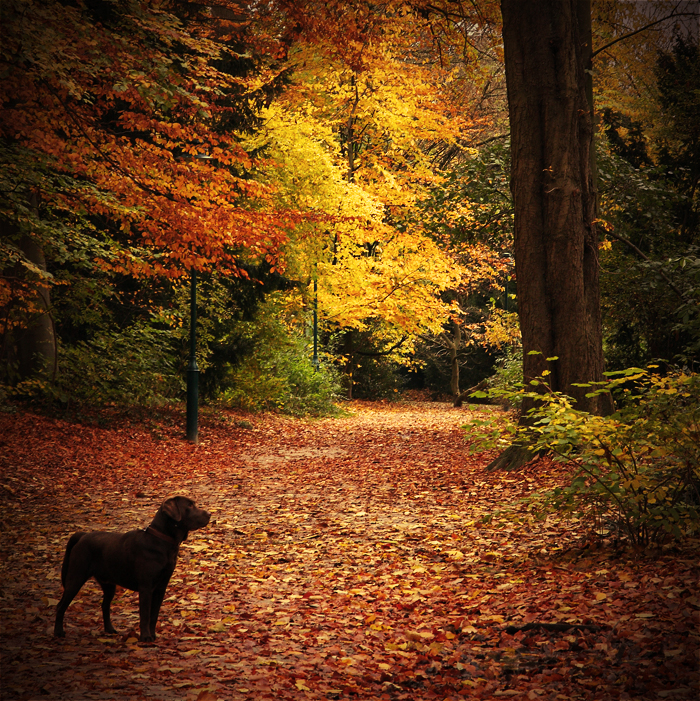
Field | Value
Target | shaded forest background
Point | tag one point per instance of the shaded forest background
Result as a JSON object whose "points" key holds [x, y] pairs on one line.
{"points": [[349, 159]]}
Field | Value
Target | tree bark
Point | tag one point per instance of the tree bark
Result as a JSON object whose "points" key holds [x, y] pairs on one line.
{"points": [[547, 52], [459, 399], [36, 344], [32, 348], [349, 351]]}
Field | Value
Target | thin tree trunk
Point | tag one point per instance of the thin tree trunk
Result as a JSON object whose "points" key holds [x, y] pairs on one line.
{"points": [[350, 365], [36, 344]]}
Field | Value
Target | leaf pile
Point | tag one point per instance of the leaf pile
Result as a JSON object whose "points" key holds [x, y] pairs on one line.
{"points": [[346, 559]]}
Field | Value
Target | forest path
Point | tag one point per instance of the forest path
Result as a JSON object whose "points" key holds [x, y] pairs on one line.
{"points": [[346, 559]]}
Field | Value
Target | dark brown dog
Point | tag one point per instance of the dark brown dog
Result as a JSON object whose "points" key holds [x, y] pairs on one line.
{"points": [[142, 560]]}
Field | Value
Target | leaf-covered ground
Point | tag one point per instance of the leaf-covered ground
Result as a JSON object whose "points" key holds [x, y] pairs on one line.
{"points": [[346, 559]]}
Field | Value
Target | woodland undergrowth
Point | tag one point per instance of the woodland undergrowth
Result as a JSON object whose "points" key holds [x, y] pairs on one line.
{"points": [[347, 558]]}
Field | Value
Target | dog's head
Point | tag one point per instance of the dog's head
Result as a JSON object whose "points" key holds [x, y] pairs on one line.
{"points": [[185, 514]]}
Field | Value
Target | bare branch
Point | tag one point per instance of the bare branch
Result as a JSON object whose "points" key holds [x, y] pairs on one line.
{"points": [[643, 29]]}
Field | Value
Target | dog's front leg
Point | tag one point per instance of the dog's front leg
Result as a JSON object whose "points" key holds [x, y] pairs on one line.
{"points": [[145, 597], [156, 601]]}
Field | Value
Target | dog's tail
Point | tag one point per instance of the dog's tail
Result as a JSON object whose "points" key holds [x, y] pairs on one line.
{"points": [[66, 558]]}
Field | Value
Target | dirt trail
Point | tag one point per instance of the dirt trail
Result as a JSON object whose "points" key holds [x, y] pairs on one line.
{"points": [[347, 559]]}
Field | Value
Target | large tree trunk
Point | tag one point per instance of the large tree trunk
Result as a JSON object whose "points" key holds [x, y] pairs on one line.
{"points": [[547, 51]]}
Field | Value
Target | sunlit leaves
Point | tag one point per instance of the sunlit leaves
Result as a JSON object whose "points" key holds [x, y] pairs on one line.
{"points": [[365, 269], [633, 473]]}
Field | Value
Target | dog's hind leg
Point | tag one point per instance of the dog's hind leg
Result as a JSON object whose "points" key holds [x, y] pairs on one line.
{"points": [[66, 558], [72, 583], [108, 589], [72, 587]]}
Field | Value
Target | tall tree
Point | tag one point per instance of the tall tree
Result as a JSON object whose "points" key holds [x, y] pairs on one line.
{"points": [[377, 113], [547, 48], [118, 151]]}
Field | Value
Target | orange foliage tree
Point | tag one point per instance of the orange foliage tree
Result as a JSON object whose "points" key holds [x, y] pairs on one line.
{"points": [[118, 144]]}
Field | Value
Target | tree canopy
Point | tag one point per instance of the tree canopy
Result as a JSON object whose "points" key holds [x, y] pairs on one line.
{"points": [[351, 158]]}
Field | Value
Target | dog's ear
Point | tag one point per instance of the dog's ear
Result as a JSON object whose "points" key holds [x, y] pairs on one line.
{"points": [[173, 507]]}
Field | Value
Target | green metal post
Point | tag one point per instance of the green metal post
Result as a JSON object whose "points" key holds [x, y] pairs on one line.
{"points": [[193, 370], [315, 358]]}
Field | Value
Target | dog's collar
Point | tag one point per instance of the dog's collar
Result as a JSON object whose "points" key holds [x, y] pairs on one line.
{"points": [[160, 535]]}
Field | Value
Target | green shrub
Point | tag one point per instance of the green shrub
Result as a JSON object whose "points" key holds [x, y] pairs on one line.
{"points": [[507, 378], [133, 366], [280, 376], [636, 473]]}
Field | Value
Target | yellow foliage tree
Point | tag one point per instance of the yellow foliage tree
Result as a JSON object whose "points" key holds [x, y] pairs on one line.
{"points": [[368, 273], [356, 142]]}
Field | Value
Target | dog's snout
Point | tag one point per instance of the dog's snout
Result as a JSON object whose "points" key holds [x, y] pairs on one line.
{"points": [[199, 518]]}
